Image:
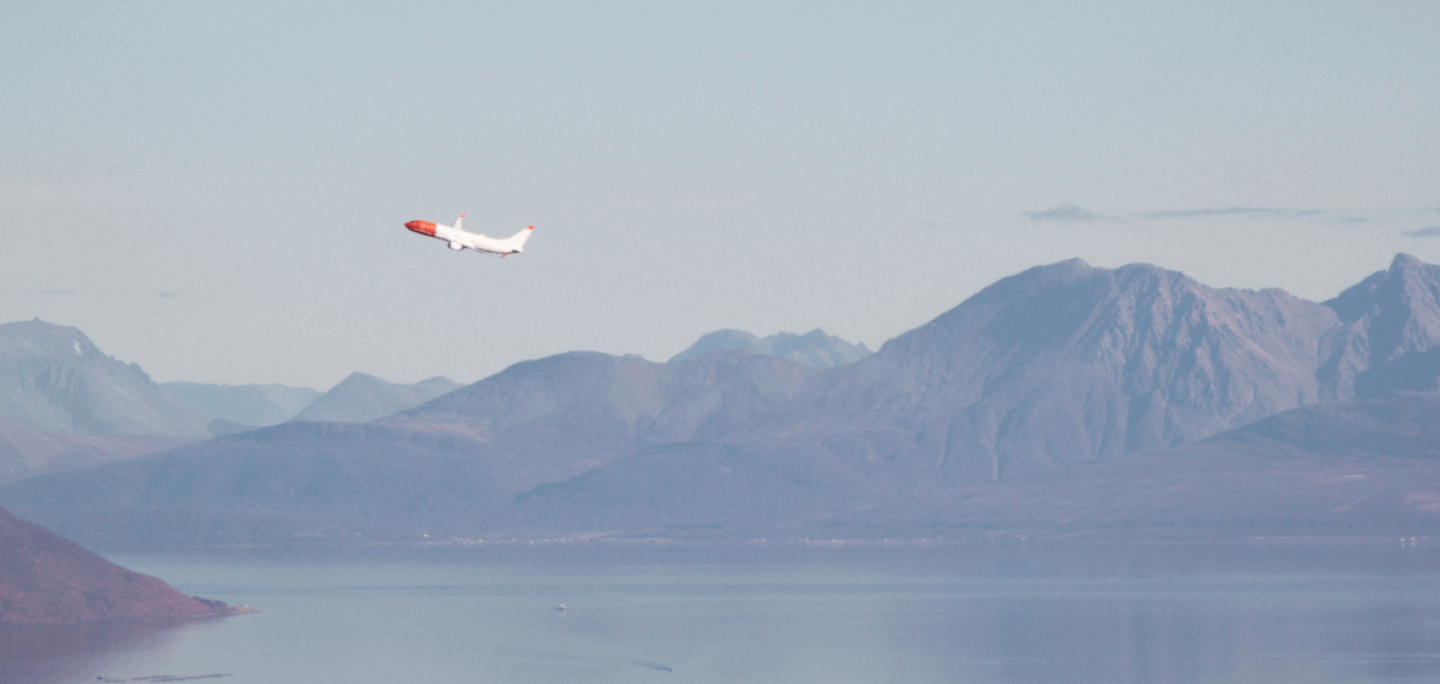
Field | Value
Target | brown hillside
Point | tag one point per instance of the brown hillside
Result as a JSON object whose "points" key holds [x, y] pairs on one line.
{"points": [[45, 579]]}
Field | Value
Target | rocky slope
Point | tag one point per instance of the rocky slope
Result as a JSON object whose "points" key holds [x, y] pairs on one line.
{"points": [[1368, 468], [1386, 339], [1066, 364], [362, 397], [26, 453], [45, 579], [54, 379]]}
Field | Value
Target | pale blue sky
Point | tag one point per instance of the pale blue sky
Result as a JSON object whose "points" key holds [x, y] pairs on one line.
{"points": [[217, 191]]}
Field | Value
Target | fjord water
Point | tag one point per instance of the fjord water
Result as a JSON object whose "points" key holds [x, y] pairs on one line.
{"points": [[744, 613]]}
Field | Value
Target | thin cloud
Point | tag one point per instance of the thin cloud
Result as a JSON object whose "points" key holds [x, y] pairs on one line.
{"points": [[169, 295], [1429, 231], [1227, 211], [1068, 213]]}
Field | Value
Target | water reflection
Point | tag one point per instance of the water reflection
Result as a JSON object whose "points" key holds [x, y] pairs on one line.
{"points": [[1219, 635], [46, 654]]}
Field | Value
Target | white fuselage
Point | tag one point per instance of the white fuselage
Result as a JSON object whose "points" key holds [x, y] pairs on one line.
{"points": [[459, 239]]}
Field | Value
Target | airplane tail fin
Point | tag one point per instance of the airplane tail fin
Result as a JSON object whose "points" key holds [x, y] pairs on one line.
{"points": [[517, 240]]}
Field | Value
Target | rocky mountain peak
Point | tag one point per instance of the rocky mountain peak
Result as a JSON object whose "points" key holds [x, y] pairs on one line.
{"points": [[361, 397], [39, 338], [1390, 323], [814, 349], [1403, 260], [54, 379], [1106, 361]]}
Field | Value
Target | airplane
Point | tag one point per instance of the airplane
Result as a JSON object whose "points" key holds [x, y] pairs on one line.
{"points": [[459, 239]]}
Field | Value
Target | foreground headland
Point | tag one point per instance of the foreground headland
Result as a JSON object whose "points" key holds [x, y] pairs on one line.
{"points": [[45, 579]]}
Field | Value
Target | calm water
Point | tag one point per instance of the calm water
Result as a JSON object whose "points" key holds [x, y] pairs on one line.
{"points": [[1029, 613]]}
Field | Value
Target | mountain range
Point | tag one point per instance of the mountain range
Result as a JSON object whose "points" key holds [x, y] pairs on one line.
{"points": [[1063, 398]]}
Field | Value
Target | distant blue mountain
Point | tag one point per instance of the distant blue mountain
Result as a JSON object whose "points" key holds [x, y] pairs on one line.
{"points": [[362, 397], [252, 405], [814, 349]]}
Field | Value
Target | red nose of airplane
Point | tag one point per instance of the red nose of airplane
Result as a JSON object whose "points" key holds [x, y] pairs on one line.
{"points": [[422, 227]]}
